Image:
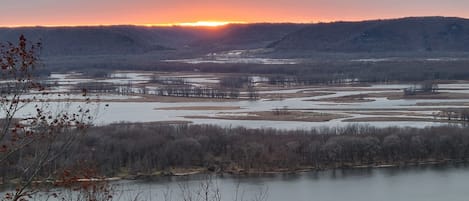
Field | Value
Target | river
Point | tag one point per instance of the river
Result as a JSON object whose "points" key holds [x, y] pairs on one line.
{"points": [[123, 109], [429, 183]]}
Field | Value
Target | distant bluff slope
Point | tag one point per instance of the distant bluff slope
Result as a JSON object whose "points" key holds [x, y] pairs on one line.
{"points": [[97, 40], [121, 40], [422, 34], [406, 34], [247, 36]]}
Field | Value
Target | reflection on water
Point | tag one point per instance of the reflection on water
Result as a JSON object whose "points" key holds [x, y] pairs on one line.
{"points": [[228, 60], [424, 183], [146, 112], [412, 183]]}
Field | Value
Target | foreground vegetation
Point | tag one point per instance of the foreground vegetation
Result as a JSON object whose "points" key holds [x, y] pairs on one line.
{"points": [[153, 149]]}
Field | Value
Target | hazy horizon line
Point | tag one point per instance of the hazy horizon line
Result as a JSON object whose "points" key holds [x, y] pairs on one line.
{"points": [[223, 23]]}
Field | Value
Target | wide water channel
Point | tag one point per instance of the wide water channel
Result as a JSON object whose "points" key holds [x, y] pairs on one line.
{"points": [[123, 109], [424, 183], [428, 183]]}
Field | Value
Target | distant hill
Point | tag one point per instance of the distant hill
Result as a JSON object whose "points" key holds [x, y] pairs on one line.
{"points": [[418, 34], [122, 40], [99, 40], [247, 36], [407, 34]]}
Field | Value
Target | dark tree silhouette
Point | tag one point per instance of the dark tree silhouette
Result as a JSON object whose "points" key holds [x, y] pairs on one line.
{"points": [[31, 143]]}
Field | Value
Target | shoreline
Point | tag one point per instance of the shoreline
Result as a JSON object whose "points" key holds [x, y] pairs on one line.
{"points": [[281, 171], [241, 172]]}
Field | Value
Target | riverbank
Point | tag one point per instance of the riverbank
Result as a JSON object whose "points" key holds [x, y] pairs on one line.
{"points": [[184, 172]]}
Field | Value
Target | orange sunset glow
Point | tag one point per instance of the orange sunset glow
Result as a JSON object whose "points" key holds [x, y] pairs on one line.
{"points": [[198, 24], [215, 13]]}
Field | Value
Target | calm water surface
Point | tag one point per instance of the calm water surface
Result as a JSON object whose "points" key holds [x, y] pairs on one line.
{"points": [[385, 184]]}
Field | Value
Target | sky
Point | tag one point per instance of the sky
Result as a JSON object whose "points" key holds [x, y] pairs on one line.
{"points": [[154, 12]]}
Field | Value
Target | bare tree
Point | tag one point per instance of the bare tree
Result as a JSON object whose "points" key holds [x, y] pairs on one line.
{"points": [[208, 190], [82, 184], [252, 92], [34, 133]]}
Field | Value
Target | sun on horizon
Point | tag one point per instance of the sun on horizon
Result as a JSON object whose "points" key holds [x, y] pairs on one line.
{"points": [[199, 24]]}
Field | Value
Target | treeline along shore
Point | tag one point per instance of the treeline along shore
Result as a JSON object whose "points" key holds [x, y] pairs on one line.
{"points": [[133, 151]]}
